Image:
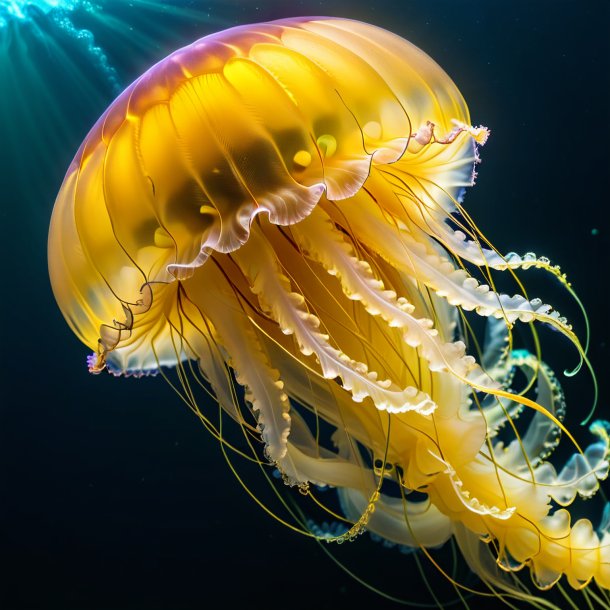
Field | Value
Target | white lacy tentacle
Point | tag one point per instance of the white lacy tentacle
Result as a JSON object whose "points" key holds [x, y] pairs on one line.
{"points": [[259, 264], [542, 435], [473, 251], [319, 238], [264, 388], [423, 262], [463, 290]]}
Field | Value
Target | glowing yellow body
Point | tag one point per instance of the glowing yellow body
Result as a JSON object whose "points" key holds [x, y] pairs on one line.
{"points": [[277, 197]]}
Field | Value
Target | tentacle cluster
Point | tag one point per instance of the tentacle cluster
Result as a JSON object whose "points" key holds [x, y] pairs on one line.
{"points": [[276, 212], [352, 306]]}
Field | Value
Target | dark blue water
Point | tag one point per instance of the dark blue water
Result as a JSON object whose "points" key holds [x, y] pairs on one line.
{"points": [[112, 496]]}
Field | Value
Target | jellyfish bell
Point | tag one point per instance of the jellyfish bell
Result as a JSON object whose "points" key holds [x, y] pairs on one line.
{"points": [[284, 199], [198, 193]]}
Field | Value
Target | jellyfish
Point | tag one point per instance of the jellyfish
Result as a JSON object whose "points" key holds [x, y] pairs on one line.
{"points": [[276, 213]]}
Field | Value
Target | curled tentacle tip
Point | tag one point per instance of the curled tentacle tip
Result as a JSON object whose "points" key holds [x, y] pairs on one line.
{"points": [[574, 371], [601, 429]]}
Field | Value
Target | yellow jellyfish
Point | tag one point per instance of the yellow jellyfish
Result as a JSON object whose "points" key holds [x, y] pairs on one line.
{"points": [[278, 207]]}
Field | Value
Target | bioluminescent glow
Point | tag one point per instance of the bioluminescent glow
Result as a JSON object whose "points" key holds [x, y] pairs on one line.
{"points": [[82, 50], [19, 9], [60, 13]]}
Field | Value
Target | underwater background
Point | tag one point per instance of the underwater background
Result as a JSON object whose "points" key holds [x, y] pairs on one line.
{"points": [[111, 494]]}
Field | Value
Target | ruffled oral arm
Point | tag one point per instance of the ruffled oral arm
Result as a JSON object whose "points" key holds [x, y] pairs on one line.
{"points": [[258, 263]]}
